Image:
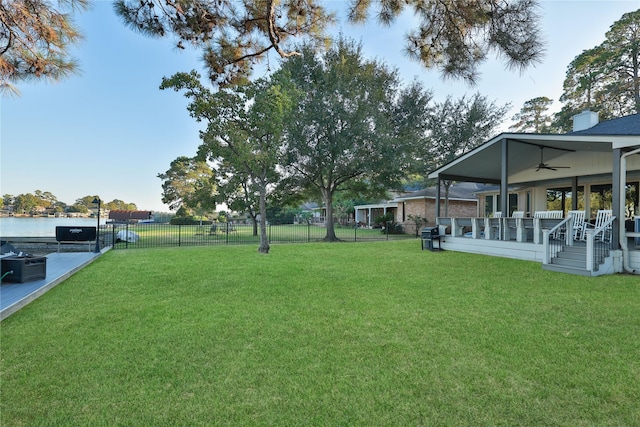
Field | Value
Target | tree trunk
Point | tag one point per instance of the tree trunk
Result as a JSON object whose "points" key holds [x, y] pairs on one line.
{"points": [[447, 185], [264, 240], [254, 223], [327, 195]]}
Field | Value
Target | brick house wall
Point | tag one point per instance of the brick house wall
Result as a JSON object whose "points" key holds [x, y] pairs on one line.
{"points": [[426, 208]]}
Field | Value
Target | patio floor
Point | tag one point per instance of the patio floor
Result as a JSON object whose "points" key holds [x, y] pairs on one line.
{"points": [[60, 266]]}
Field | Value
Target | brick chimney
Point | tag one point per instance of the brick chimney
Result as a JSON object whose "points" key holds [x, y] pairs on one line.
{"points": [[585, 120]]}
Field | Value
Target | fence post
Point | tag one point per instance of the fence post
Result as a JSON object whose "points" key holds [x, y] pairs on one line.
{"points": [[227, 236], [308, 232], [355, 233], [179, 234]]}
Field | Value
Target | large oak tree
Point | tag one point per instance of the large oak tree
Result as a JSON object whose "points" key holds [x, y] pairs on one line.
{"points": [[243, 136], [354, 128]]}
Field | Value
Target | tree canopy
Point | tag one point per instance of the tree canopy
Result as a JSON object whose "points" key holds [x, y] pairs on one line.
{"points": [[189, 182], [533, 116], [455, 127], [34, 40], [605, 78], [353, 128], [453, 36], [243, 136]]}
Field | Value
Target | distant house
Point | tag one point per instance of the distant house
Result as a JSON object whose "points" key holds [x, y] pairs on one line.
{"points": [[365, 215], [131, 216], [463, 202]]}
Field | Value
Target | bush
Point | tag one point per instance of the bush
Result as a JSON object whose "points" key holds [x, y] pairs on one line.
{"points": [[188, 220]]}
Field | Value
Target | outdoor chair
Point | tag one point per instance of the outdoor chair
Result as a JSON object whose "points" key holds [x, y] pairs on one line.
{"points": [[497, 214], [602, 217], [517, 214], [578, 224]]}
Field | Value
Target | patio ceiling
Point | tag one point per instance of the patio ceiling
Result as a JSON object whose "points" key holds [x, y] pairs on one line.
{"points": [[484, 163]]}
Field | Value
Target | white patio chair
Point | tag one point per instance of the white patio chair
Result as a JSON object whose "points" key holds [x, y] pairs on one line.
{"points": [[541, 214], [497, 214], [517, 214], [578, 224], [554, 214], [602, 216]]}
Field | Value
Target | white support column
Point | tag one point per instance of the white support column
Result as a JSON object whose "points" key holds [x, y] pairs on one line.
{"points": [[537, 231], [590, 239], [475, 227], [569, 233], [587, 201], [521, 232], [546, 253]]}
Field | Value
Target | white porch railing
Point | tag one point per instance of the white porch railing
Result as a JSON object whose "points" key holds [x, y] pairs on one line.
{"points": [[597, 250], [551, 233], [562, 234]]}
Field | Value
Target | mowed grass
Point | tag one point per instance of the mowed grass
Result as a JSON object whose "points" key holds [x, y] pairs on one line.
{"points": [[364, 334]]}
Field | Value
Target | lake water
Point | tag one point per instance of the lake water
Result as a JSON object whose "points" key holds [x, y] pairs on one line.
{"points": [[41, 227]]}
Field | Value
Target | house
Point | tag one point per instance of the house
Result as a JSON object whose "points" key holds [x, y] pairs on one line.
{"points": [[462, 202], [365, 215], [595, 167], [131, 216]]}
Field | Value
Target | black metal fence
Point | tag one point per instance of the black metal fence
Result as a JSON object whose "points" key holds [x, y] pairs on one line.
{"points": [[127, 236]]}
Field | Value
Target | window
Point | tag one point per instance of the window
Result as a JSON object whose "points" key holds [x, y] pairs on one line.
{"points": [[488, 205]]}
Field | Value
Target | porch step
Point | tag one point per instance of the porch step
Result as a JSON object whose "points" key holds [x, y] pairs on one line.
{"points": [[566, 269], [571, 256], [572, 259], [567, 262]]}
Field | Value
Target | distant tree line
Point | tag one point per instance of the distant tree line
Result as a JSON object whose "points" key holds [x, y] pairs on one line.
{"points": [[45, 202]]}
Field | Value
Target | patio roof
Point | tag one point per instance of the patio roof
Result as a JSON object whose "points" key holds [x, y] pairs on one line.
{"points": [[513, 158], [483, 164]]}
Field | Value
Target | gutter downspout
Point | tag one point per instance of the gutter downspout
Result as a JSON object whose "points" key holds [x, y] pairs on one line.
{"points": [[622, 232]]}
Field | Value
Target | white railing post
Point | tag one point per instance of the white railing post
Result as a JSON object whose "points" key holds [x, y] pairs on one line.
{"points": [[537, 231], [546, 252], [475, 228], [521, 232], [590, 240], [569, 232]]}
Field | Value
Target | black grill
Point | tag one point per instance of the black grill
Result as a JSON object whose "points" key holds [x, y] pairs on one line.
{"points": [[430, 232], [430, 235]]}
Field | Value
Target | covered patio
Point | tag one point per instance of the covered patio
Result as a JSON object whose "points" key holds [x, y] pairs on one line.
{"points": [[596, 167]]}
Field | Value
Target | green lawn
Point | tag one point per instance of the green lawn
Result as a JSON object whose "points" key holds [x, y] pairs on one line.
{"points": [[365, 334]]}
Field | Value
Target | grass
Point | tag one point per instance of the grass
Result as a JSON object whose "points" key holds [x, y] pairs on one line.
{"points": [[323, 334]]}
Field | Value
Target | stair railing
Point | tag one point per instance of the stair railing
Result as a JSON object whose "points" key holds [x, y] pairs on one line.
{"points": [[600, 249], [554, 238]]}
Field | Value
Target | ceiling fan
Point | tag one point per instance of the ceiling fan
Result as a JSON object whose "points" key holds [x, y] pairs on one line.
{"points": [[543, 165]]}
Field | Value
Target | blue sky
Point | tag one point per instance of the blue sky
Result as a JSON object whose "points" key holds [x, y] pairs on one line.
{"points": [[109, 130]]}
